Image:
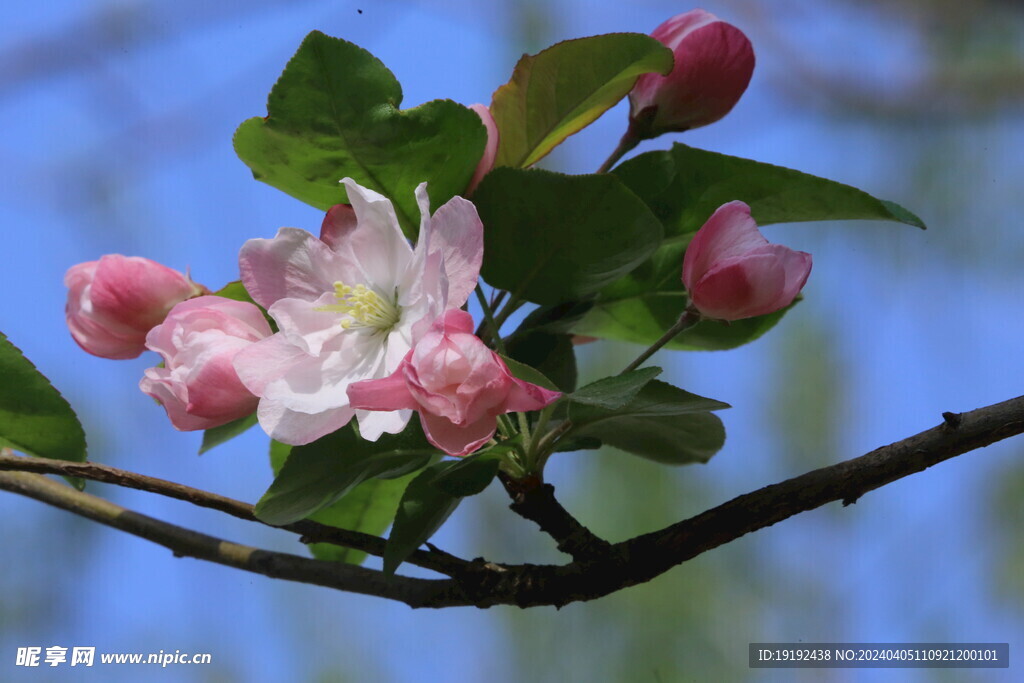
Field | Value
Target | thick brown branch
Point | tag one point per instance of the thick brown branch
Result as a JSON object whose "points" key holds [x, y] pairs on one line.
{"points": [[311, 532], [642, 558], [535, 501], [622, 565]]}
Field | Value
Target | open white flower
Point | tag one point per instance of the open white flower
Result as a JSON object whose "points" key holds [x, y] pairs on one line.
{"points": [[349, 306]]}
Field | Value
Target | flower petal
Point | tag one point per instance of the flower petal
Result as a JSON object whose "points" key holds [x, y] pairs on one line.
{"points": [[386, 393], [729, 232], [373, 423], [458, 234], [486, 162], [339, 222], [266, 361], [377, 245], [293, 264], [305, 326], [136, 291], [296, 428], [455, 439]]}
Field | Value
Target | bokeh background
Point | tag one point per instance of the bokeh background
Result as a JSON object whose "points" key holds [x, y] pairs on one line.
{"points": [[116, 120]]}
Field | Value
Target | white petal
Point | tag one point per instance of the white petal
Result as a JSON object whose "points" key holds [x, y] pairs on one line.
{"points": [[295, 428], [304, 326], [377, 244], [373, 423]]}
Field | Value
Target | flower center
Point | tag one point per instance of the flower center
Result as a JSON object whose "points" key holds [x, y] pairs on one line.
{"points": [[363, 307]]}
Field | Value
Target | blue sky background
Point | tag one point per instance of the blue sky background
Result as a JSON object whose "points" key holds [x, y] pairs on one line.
{"points": [[117, 120]]}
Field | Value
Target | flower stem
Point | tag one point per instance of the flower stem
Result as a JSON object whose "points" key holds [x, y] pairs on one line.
{"points": [[533, 462], [629, 141], [510, 307], [489, 319], [505, 427], [688, 319], [545, 443]]}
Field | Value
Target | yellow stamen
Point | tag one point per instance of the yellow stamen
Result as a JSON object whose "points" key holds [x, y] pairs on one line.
{"points": [[363, 307]]}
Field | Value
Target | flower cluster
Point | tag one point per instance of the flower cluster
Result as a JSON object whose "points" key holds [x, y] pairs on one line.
{"points": [[367, 326]]}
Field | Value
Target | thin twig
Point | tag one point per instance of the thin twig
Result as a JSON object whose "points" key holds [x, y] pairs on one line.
{"points": [[311, 532], [187, 543]]}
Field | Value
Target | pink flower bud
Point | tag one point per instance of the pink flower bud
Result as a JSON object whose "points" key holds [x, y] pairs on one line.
{"points": [[490, 150], [457, 384], [732, 272], [114, 302], [198, 385], [713, 65]]}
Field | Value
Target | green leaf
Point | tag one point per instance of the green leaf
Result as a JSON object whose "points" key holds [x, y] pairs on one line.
{"points": [[552, 238], [316, 475], [561, 90], [334, 114], [557, 319], [641, 306], [369, 508], [684, 186], [218, 435], [551, 354], [469, 476], [422, 511], [279, 453], [663, 423], [612, 393], [528, 374], [567, 444], [34, 417]]}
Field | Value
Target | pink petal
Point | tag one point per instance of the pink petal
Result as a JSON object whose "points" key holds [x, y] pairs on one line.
{"points": [[490, 149], [673, 31], [293, 264], [797, 265], [101, 340], [157, 384], [754, 284], [714, 67], [266, 361], [215, 391], [227, 317], [728, 233], [524, 396], [455, 439], [339, 222], [137, 292], [387, 393], [454, 321], [458, 234], [714, 62]]}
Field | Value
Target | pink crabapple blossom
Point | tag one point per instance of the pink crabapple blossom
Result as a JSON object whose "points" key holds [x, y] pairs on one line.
{"points": [[713, 65], [732, 272], [198, 386], [113, 302], [457, 385], [349, 306]]}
